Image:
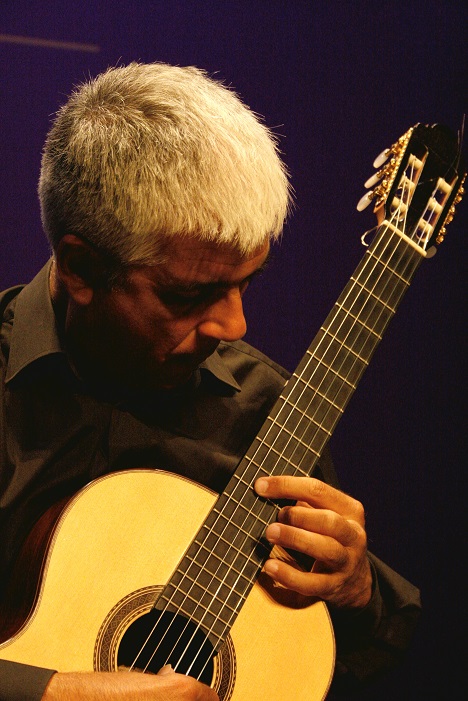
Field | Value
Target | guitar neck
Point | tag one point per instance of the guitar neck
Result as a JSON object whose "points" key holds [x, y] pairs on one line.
{"points": [[222, 563], [420, 186]]}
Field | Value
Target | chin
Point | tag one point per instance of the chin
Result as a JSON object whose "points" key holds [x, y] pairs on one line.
{"points": [[174, 377]]}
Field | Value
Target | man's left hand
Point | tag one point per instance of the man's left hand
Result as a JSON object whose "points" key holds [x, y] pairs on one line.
{"points": [[327, 525]]}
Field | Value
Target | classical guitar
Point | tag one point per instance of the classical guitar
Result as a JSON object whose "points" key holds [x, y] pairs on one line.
{"points": [[131, 581]]}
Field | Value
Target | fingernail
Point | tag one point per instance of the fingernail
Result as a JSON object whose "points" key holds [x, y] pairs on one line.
{"points": [[167, 669], [261, 486], [273, 532], [271, 567]]}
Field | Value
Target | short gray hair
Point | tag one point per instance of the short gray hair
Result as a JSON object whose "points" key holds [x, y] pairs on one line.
{"points": [[147, 151]]}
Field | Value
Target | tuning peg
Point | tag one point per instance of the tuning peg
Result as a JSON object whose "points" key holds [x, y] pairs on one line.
{"points": [[381, 158], [373, 180], [365, 201]]}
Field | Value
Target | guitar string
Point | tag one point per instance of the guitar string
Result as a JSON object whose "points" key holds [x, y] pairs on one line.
{"points": [[249, 487], [244, 539], [215, 594], [218, 588], [309, 405], [426, 242], [295, 464], [231, 608], [411, 263]]}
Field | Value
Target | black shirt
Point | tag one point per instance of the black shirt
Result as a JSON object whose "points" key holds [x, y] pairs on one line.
{"points": [[57, 434]]}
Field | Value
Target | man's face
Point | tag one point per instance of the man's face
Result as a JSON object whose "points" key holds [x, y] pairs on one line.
{"points": [[168, 318]]}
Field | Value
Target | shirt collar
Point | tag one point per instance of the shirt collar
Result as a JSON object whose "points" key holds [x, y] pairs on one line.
{"points": [[35, 333], [216, 365]]}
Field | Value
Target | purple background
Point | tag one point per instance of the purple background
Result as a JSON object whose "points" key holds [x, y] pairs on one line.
{"points": [[339, 81]]}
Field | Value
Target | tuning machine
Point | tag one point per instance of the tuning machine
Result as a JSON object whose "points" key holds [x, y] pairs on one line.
{"points": [[387, 163]]}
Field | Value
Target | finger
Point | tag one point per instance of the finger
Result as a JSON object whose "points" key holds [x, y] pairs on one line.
{"points": [[324, 548], [306, 583], [167, 669], [323, 522], [313, 492]]}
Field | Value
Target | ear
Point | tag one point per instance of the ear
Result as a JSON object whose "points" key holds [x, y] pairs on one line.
{"points": [[79, 268]]}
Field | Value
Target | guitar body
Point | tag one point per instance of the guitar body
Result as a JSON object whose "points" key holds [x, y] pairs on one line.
{"points": [[114, 548]]}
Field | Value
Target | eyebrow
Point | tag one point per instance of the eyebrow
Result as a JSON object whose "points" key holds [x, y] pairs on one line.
{"points": [[171, 282]]}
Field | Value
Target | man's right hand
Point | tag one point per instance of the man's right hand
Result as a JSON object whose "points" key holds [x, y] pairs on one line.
{"points": [[116, 686]]}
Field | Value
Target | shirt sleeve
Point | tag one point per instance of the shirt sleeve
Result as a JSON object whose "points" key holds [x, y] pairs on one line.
{"points": [[19, 682], [375, 639]]}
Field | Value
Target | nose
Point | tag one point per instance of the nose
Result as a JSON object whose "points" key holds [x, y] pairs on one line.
{"points": [[224, 319]]}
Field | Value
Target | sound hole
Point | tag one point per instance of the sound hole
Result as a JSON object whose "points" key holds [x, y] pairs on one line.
{"points": [[156, 639]]}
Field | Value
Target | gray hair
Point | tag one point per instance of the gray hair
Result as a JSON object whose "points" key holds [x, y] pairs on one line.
{"points": [[147, 151]]}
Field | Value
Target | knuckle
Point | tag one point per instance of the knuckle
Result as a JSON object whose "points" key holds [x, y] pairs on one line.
{"points": [[358, 508], [316, 486]]}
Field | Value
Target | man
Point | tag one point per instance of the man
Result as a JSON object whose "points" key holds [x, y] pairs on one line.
{"points": [[161, 194]]}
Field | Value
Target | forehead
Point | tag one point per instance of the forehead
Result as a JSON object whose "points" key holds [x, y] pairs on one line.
{"points": [[192, 261]]}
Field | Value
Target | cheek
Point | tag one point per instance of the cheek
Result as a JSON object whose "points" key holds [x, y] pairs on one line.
{"points": [[150, 333], [140, 326]]}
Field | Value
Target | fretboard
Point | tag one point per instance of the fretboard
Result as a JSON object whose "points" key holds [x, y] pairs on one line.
{"points": [[222, 563]]}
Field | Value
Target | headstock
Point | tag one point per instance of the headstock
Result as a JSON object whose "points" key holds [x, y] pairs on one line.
{"points": [[418, 184]]}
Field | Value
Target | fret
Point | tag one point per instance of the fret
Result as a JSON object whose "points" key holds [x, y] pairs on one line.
{"points": [[331, 384], [198, 600], [286, 438], [341, 317], [249, 468], [233, 510], [310, 427], [383, 284], [324, 413], [289, 435], [355, 300], [288, 403], [366, 309], [235, 538], [221, 595], [305, 433], [317, 393], [331, 352], [384, 280], [394, 251], [187, 582], [342, 346], [346, 327], [241, 518], [211, 559], [241, 552], [212, 566], [343, 324], [372, 294], [323, 373], [279, 463], [289, 451], [239, 510], [377, 270], [248, 484], [364, 346]]}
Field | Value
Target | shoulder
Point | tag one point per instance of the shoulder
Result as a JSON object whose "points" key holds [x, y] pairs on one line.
{"points": [[7, 312], [6, 297], [262, 381]]}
